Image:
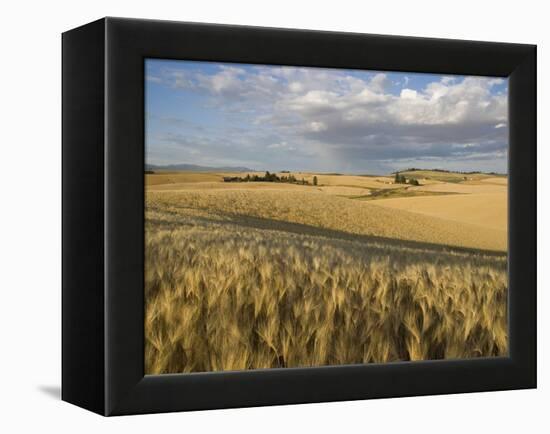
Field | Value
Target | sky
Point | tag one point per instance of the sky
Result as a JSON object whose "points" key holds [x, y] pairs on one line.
{"points": [[322, 120]]}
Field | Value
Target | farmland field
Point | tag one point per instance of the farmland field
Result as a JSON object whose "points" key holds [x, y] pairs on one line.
{"points": [[338, 269]]}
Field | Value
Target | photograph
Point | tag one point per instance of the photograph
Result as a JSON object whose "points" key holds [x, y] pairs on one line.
{"points": [[303, 216], [234, 217]]}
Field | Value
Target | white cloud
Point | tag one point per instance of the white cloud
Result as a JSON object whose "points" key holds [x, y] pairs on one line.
{"points": [[379, 82], [316, 126], [295, 86], [350, 116], [448, 79], [408, 94]]}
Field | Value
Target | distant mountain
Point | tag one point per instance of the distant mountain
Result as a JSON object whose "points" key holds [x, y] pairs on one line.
{"points": [[194, 168]]}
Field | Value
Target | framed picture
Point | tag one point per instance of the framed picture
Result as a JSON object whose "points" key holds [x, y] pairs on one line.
{"points": [[257, 216]]}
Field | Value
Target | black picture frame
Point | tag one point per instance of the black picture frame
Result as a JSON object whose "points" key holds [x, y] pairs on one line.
{"points": [[103, 212]]}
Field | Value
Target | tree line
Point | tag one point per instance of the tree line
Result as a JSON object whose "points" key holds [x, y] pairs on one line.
{"points": [[270, 177]]}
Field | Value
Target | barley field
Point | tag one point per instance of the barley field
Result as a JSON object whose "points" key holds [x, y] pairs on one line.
{"points": [[272, 275]]}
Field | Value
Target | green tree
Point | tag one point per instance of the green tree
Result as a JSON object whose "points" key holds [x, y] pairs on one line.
{"points": [[399, 179], [314, 180]]}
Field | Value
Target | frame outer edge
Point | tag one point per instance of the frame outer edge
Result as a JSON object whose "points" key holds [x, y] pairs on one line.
{"points": [[82, 228], [125, 393], [525, 160]]}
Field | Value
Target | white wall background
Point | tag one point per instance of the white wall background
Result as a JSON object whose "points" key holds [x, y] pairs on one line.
{"points": [[30, 205]]}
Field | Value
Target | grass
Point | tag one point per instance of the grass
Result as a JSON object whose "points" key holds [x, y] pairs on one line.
{"points": [[453, 177], [398, 192], [250, 279], [487, 210], [162, 178], [309, 206]]}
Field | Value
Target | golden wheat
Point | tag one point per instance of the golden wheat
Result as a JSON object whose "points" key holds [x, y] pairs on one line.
{"points": [[312, 209], [489, 210], [237, 281]]}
